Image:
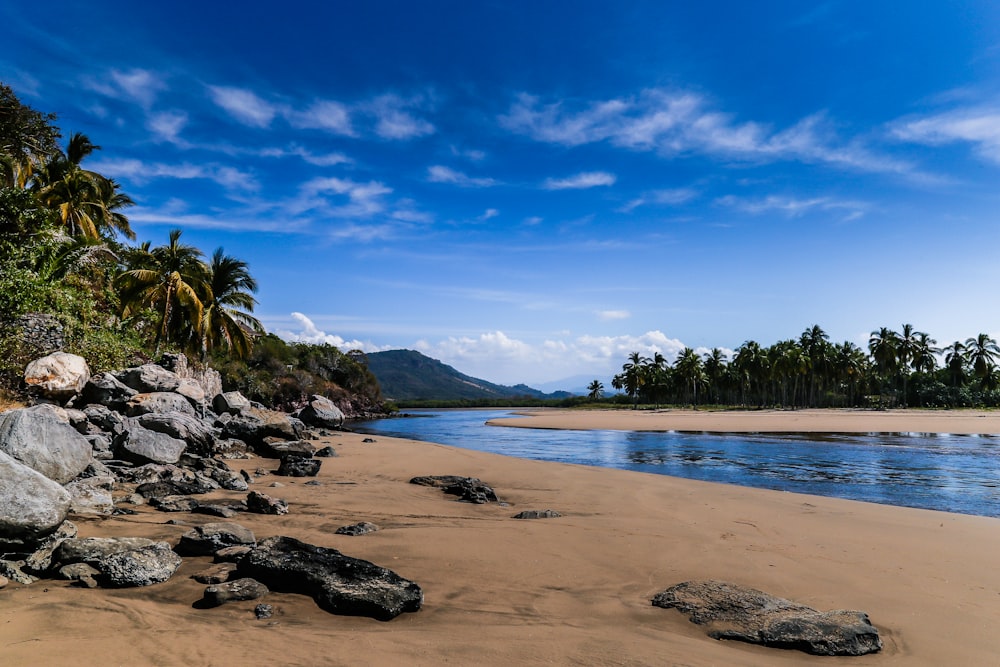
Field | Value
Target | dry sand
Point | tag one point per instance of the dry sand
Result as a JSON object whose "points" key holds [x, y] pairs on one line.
{"points": [[570, 590]]}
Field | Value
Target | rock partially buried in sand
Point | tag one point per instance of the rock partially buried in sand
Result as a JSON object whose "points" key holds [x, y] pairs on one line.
{"points": [[745, 614], [537, 514], [233, 591], [469, 489], [356, 529], [339, 584], [261, 503], [140, 567]]}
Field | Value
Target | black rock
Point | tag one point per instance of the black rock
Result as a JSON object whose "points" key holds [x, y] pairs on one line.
{"points": [[263, 611], [260, 503], [537, 514], [745, 614], [325, 452], [296, 466], [207, 539], [152, 490], [469, 489], [234, 591], [362, 528], [339, 584]]}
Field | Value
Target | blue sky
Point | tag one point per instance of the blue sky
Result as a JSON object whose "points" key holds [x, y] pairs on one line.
{"points": [[529, 191]]}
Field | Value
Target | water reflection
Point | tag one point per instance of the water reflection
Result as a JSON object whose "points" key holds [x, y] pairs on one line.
{"points": [[955, 473]]}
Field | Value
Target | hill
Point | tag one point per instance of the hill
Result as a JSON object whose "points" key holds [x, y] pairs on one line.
{"points": [[407, 375]]}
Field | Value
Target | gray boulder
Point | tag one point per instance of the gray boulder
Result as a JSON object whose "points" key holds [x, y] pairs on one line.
{"points": [[322, 412], [149, 378], [339, 584], [192, 391], [297, 466], [39, 438], [207, 539], [31, 504], [92, 495], [230, 402], [362, 528], [144, 566], [238, 590], [736, 612], [469, 489], [92, 550], [198, 435], [58, 376], [105, 389], [40, 560], [275, 448], [140, 445], [161, 401], [261, 503], [255, 424]]}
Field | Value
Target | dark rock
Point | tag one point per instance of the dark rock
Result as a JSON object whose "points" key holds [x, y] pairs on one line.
{"points": [[174, 503], [92, 550], [163, 489], [260, 503], [296, 466], [207, 539], [339, 584], [216, 574], [217, 471], [313, 482], [745, 614], [100, 446], [149, 378], [222, 511], [263, 611], [362, 528], [322, 412], [42, 439], [40, 560], [468, 489], [234, 591], [140, 567], [367, 440], [231, 448], [140, 445], [106, 390], [197, 434], [161, 401], [80, 572], [537, 514], [255, 424], [273, 448], [231, 554], [326, 452]]}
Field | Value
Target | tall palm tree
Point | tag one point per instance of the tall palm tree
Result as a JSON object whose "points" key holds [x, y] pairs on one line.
{"points": [[634, 376], [907, 348], [228, 301], [596, 389], [983, 353], [715, 371], [168, 279], [955, 358], [689, 369], [882, 345], [816, 346]]}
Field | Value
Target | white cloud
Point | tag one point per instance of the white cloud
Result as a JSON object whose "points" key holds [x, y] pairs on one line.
{"points": [[676, 123], [167, 125], [588, 179], [441, 174], [793, 207], [243, 105], [311, 334], [469, 153], [327, 115], [533, 220], [317, 159], [394, 121], [979, 126], [135, 85], [364, 199], [614, 314], [138, 171], [667, 197], [487, 214]]}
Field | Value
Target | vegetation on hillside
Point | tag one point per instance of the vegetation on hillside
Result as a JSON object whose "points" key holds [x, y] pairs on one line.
{"points": [[64, 252], [899, 369]]}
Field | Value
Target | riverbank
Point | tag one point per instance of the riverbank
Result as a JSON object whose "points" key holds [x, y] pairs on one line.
{"points": [[763, 421], [569, 590]]}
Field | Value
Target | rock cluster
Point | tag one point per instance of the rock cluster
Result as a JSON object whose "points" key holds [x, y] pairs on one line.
{"points": [[468, 489]]}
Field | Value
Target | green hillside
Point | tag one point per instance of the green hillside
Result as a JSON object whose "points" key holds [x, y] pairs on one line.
{"points": [[407, 375]]}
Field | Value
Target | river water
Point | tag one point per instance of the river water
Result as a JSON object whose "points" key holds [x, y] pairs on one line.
{"points": [[952, 473]]}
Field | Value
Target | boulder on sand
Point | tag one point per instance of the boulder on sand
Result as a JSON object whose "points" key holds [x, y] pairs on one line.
{"points": [[59, 376], [42, 439], [31, 504]]}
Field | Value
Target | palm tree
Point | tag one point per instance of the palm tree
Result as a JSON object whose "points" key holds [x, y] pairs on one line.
{"points": [[982, 352], [633, 376], [752, 367], [815, 344], [596, 390], [228, 301], [715, 371], [850, 362], [168, 279], [907, 348], [955, 357], [883, 347], [688, 367]]}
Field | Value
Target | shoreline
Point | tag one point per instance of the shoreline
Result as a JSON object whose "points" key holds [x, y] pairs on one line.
{"points": [[568, 590], [827, 420]]}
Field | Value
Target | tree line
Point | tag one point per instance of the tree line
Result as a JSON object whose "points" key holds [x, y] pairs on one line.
{"points": [[65, 251], [898, 369]]}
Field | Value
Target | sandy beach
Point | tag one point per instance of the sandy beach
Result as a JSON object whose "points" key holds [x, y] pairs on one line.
{"points": [[569, 590]]}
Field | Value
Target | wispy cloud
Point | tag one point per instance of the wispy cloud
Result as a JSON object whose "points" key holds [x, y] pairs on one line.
{"points": [[167, 125], [140, 172], [135, 85], [243, 105], [442, 174], [327, 115], [393, 119], [977, 126], [667, 197], [793, 207], [363, 199], [608, 315], [677, 123], [581, 181], [487, 214]]}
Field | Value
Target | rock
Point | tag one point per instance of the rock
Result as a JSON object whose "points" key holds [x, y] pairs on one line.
{"points": [[42, 439], [339, 584], [469, 489], [11, 569], [140, 445], [230, 402], [217, 471], [221, 511], [100, 447], [216, 574], [31, 505], [296, 466], [736, 612], [192, 391], [322, 412], [144, 566], [326, 452], [40, 560], [106, 390], [81, 572], [165, 488], [369, 440], [231, 448], [91, 495], [174, 503], [59, 376], [207, 539], [149, 378], [537, 514], [92, 550], [273, 448], [260, 503], [255, 424], [234, 591], [231, 554], [263, 611], [162, 401], [197, 434], [362, 528]]}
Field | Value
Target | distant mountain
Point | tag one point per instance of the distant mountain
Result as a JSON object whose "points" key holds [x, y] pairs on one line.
{"points": [[407, 375]]}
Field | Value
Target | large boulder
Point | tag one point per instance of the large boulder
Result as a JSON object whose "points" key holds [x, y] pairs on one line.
{"points": [[159, 401], [198, 435], [239, 590], [206, 539], [230, 402], [31, 504], [107, 390], [255, 424], [736, 612], [59, 376], [322, 412], [339, 584], [92, 495], [141, 445], [149, 378], [139, 567], [92, 550], [42, 439]]}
